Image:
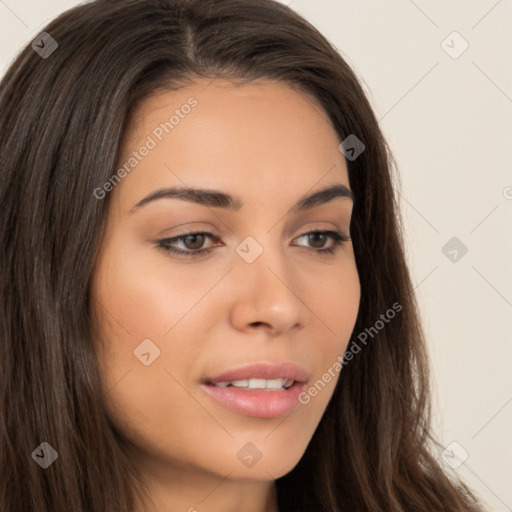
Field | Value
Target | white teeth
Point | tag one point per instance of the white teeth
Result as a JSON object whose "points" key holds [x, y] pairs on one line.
{"points": [[273, 383], [262, 383], [267, 384], [240, 383]]}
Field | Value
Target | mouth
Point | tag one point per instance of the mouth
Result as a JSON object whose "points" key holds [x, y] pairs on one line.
{"points": [[259, 390], [254, 384]]}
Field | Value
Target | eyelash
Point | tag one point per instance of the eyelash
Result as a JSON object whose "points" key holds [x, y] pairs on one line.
{"points": [[337, 236]]}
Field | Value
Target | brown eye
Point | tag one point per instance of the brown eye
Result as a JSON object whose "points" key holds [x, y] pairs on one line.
{"points": [[192, 244], [317, 240]]}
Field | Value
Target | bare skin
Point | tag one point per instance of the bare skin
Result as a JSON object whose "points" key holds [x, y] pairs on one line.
{"points": [[269, 146]]}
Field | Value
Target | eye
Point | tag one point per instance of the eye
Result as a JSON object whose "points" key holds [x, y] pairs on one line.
{"points": [[193, 242], [319, 237]]}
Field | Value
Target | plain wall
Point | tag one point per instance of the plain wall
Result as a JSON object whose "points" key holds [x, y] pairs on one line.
{"points": [[448, 119]]}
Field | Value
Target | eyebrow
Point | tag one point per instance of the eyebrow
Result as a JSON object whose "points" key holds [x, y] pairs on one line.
{"points": [[217, 199]]}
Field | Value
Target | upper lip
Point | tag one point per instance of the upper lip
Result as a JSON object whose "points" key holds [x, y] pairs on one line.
{"points": [[263, 370]]}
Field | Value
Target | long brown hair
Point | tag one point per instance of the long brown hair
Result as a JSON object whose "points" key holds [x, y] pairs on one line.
{"points": [[62, 121]]}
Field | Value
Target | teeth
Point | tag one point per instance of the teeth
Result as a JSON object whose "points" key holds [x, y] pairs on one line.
{"points": [[240, 383], [267, 384]]}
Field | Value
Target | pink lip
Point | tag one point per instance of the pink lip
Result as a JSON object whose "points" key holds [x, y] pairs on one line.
{"points": [[259, 403]]}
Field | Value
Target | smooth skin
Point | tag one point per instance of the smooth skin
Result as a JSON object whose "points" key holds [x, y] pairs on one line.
{"points": [[269, 145]]}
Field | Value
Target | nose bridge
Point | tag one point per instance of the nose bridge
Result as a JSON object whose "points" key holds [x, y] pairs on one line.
{"points": [[266, 288], [264, 260]]}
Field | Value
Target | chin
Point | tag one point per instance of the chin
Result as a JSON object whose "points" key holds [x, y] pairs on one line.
{"points": [[255, 460]]}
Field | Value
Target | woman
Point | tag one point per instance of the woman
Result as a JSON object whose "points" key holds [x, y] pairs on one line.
{"points": [[205, 303]]}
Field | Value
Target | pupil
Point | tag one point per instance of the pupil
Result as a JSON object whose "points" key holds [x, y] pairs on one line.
{"points": [[196, 245], [313, 237]]}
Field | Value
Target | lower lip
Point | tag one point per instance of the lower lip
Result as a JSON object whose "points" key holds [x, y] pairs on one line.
{"points": [[257, 403]]}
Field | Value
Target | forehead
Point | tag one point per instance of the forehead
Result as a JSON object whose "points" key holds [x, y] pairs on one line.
{"points": [[231, 136]]}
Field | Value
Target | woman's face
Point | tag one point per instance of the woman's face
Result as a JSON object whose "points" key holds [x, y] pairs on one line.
{"points": [[262, 293]]}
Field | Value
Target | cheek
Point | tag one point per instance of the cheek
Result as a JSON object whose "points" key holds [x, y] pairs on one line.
{"points": [[337, 309], [337, 306], [144, 293], [146, 305], [137, 300]]}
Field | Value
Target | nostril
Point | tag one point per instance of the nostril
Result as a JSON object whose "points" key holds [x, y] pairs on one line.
{"points": [[258, 324]]}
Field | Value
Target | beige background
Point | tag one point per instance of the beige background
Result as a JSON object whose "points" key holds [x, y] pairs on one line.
{"points": [[449, 122]]}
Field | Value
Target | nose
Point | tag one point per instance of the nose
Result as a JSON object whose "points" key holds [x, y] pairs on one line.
{"points": [[267, 296]]}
